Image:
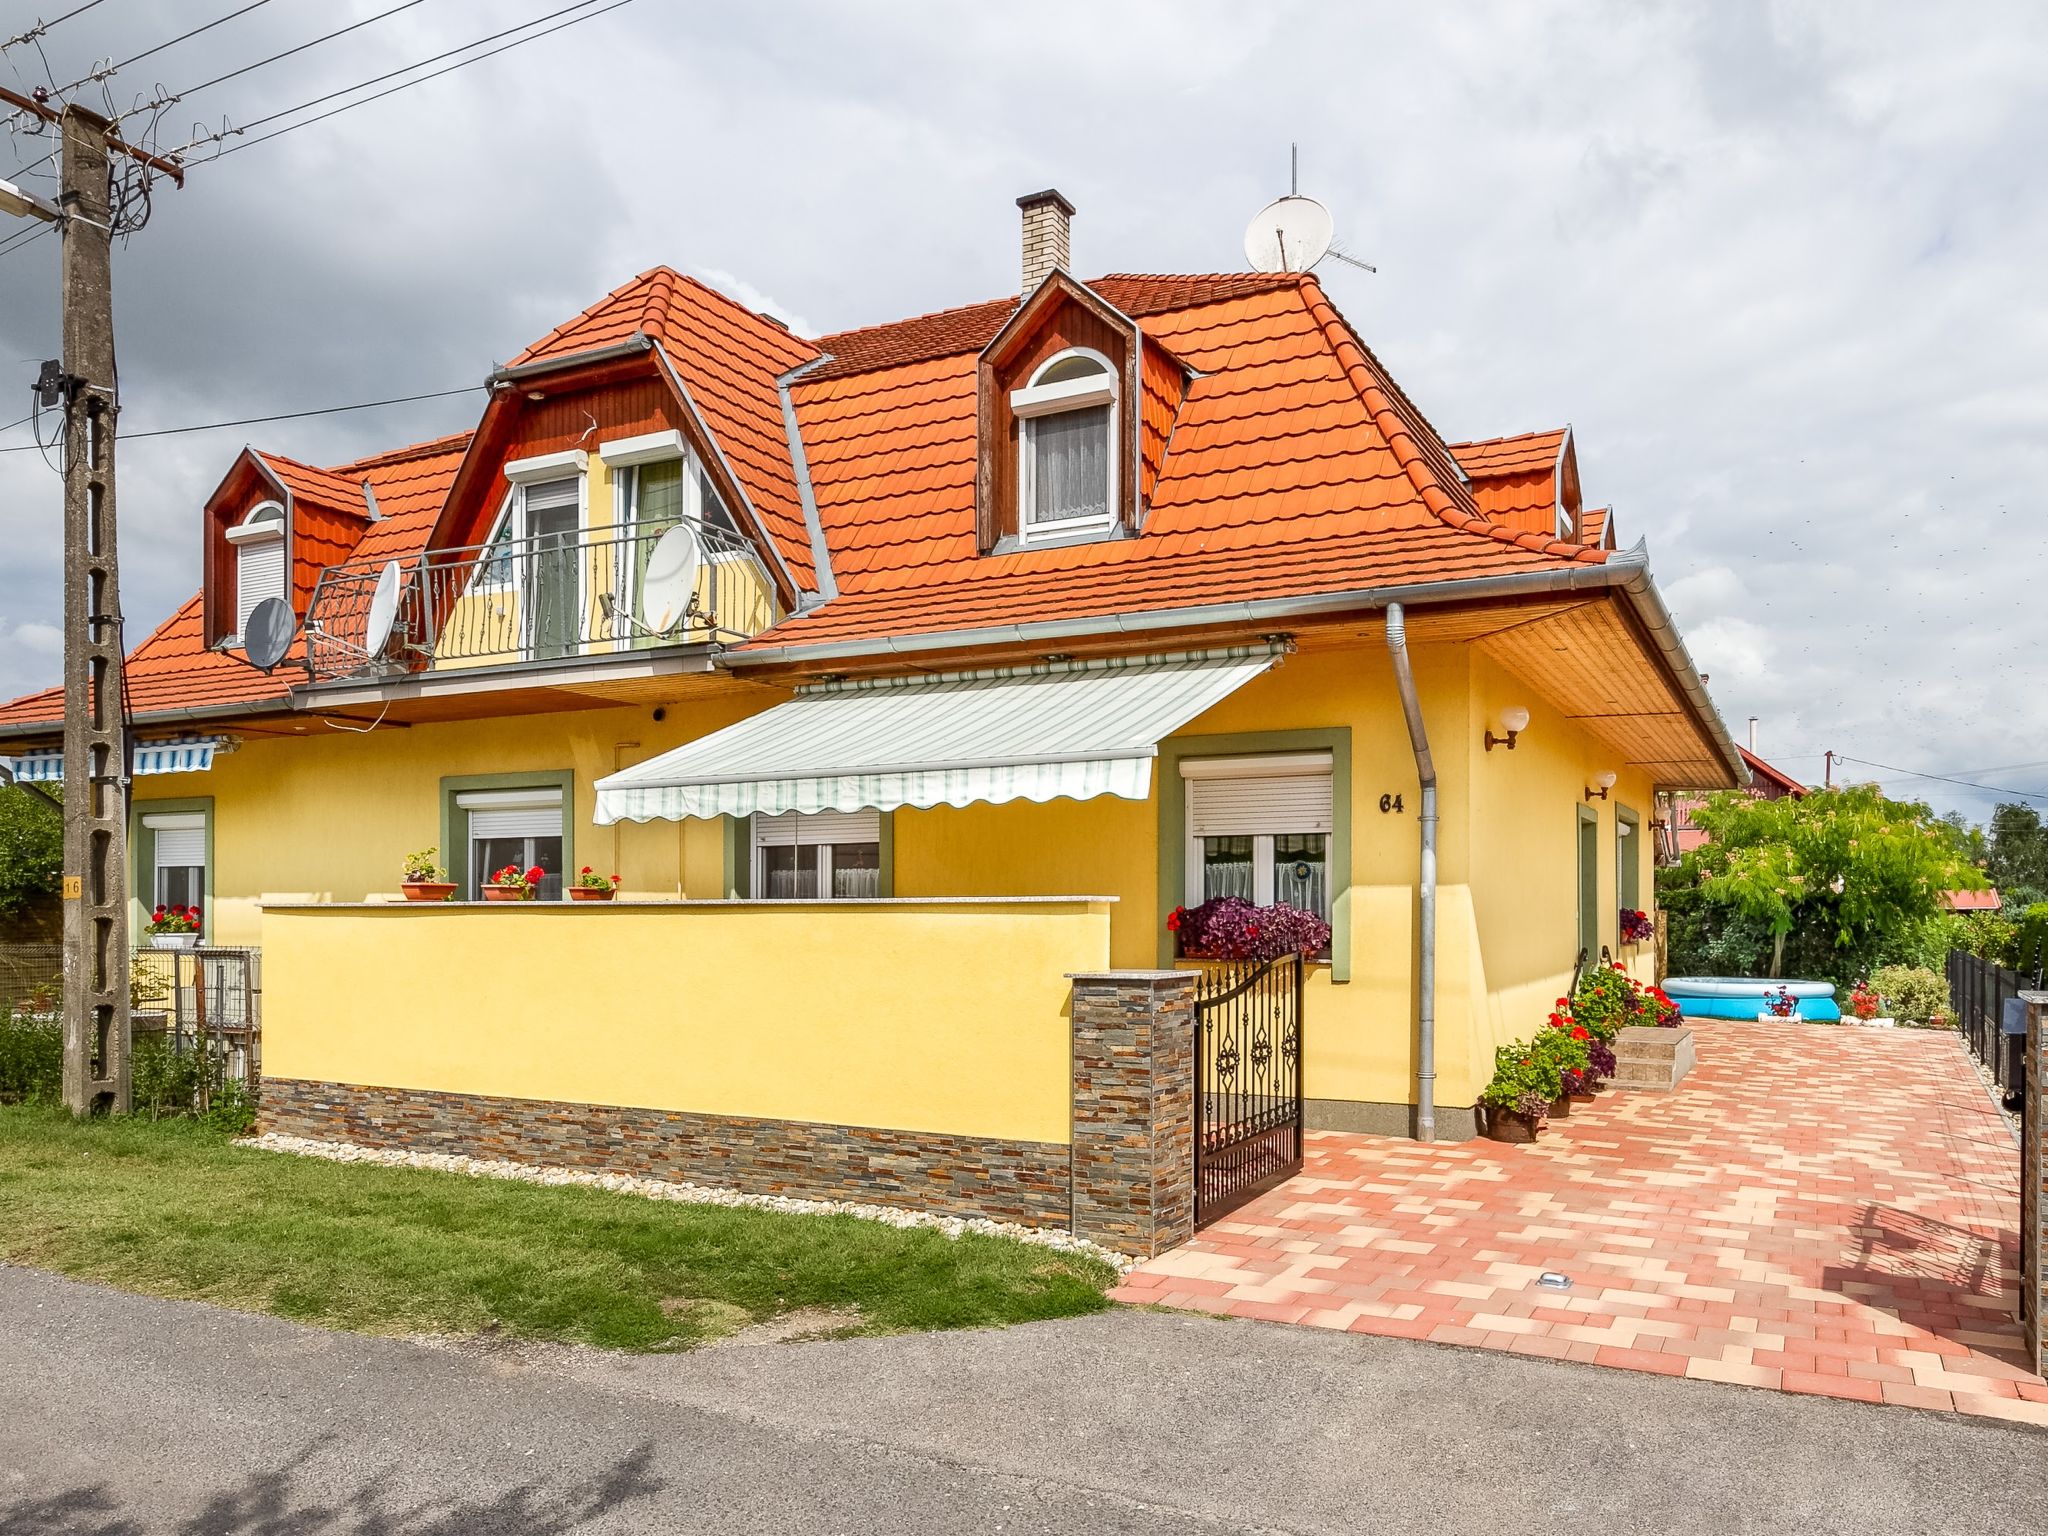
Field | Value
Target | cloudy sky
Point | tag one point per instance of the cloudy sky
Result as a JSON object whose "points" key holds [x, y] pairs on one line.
{"points": [[1780, 266]]}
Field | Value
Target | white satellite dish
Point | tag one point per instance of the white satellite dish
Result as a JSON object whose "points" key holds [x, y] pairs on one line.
{"points": [[669, 584], [383, 610], [268, 633], [1289, 234]]}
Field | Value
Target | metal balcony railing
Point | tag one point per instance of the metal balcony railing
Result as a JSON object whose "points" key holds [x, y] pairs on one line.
{"points": [[552, 597]]}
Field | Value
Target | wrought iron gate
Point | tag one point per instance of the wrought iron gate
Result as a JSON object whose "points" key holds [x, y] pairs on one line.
{"points": [[1248, 1119]]}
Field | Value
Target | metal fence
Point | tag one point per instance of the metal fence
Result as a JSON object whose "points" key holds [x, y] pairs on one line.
{"points": [[1984, 994], [213, 994]]}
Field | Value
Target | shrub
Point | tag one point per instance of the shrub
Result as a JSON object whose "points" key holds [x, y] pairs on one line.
{"points": [[1563, 1045], [162, 1081], [1914, 995], [233, 1110], [31, 1058], [2030, 938], [1605, 1001], [1230, 928], [1525, 1082]]}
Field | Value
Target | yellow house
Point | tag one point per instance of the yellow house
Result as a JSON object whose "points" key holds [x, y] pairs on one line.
{"points": [[992, 637]]}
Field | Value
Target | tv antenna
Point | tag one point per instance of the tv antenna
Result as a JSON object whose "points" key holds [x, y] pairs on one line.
{"points": [[1293, 233]]}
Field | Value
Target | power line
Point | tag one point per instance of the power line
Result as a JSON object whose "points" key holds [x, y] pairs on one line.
{"points": [[16, 241], [1908, 773], [404, 85], [250, 421], [42, 27], [193, 90], [115, 69]]}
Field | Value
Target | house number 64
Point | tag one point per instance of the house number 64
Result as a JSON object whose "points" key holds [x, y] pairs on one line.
{"points": [[1390, 803]]}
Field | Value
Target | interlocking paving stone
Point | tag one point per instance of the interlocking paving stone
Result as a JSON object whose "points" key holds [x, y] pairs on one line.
{"points": [[1822, 1210]]}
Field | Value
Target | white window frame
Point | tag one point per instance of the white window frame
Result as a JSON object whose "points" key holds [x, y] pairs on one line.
{"points": [[160, 822], [1292, 765], [541, 469], [264, 527], [758, 864], [539, 797], [1035, 401]]}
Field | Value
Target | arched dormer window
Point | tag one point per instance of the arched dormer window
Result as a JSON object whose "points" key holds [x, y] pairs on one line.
{"points": [[259, 559], [1066, 442]]}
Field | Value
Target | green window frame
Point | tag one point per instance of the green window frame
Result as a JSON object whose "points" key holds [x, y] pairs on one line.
{"points": [[1628, 859], [1589, 882], [142, 862], [1173, 821], [455, 820]]}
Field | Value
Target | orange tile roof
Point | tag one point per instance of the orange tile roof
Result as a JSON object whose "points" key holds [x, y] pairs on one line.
{"points": [[729, 359], [1596, 527], [1514, 479], [1520, 454], [173, 669], [1294, 466]]}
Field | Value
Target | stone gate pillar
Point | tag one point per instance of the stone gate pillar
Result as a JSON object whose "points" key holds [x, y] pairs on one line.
{"points": [[2034, 1188], [1134, 1109]]}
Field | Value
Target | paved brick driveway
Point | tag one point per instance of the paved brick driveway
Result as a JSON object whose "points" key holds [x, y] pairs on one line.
{"points": [[1826, 1210]]}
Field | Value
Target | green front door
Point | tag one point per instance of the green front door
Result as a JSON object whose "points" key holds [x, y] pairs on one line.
{"points": [[1589, 882]]}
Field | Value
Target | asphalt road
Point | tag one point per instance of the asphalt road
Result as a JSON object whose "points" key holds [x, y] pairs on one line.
{"points": [[120, 1414]]}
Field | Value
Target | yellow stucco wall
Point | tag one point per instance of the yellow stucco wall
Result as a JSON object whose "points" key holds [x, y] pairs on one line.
{"points": [[923, 1016], [327, 816]]}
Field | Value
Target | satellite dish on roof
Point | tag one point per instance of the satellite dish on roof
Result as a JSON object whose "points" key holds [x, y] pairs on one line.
{"points": [[1289, 234], [1293, 233], [383, 610], [669, 584], [268, 633]]}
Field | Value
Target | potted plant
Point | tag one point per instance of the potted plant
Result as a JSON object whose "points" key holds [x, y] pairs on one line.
{"points": [[174, 928], [590, 886], [1518, 1099], [1231, 928], [1562, 1045], [1779, 1005], [1636, 927], [423, 879], [513, 883], [1864, 1004]]}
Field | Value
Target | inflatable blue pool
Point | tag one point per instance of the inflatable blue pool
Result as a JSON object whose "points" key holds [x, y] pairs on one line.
{"points": [[1736, 997]]}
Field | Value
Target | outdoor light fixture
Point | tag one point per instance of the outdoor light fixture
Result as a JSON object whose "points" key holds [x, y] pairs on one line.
{"points": [[24, 204], [1602, 782], [1513, 720]]}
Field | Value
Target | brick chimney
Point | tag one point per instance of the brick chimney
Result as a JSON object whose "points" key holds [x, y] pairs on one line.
{"points": [[1047, 221]]}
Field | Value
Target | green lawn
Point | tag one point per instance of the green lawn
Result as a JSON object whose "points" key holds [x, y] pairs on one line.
{"points": [[172, 1209]]}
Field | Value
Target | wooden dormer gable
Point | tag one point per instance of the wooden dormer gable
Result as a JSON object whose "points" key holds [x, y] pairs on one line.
{"points": [[1065, 318]]}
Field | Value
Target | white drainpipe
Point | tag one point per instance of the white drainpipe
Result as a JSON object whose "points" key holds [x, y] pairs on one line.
{"points": [[1425, 769]]}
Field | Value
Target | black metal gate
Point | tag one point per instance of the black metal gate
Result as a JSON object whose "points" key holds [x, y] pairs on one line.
{"points": [[1248, 1117]]}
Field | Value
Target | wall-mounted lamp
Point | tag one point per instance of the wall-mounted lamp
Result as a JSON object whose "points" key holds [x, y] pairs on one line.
{"points": [[1513, 720], [1602, 782]]}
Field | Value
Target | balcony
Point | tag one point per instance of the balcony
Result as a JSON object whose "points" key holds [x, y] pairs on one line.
{"points": [[554, 598]]}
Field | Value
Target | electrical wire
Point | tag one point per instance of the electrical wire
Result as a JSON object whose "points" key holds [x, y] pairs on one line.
{"points": [[1908, 773], [16, 241], [250, 421], [193, 90], [114, 69], [407, 84], [41, 27]]}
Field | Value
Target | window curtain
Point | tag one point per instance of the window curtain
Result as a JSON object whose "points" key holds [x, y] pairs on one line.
{"points": [[1070, 465]]}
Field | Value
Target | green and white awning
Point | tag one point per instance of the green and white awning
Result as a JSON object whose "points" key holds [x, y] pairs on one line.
{"points": [[1070, 730], [189, 755]]}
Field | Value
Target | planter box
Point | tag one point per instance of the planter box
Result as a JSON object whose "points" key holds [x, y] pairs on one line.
{"points": [[505, 893], [174, 941], [591, 893], [428, 890]]}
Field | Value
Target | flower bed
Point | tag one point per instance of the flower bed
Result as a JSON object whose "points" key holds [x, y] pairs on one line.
{"points": [[1572, 1055]]}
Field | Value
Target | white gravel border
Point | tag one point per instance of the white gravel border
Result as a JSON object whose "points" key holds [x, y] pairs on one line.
{"points": [[686, 1194]]}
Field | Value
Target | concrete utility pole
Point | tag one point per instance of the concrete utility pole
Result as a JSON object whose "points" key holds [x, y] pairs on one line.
{"points": [[96, 1040]]}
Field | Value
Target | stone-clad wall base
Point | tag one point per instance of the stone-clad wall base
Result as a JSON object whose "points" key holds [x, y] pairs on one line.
{"points": [[1020, 1181]]}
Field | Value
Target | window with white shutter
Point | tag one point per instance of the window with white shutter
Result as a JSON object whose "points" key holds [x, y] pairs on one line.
{"points": [[521, 828], [177, 858], [259, 546], [800, 857], [1259, 828], [1067, 439]]}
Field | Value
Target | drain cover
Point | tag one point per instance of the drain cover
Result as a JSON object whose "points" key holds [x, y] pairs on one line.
{"points": [[1551, 1280]]}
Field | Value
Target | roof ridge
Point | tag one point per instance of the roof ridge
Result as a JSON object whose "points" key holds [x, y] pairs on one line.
{"points": [[934, 314], [1509, 437], [419, 450], [603, 302], [1383, 401]]}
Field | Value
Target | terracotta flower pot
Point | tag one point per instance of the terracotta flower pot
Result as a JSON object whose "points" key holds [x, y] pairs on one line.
{"points": [[591, 893], [1505, 1125], [427, 890], [1560, 1107], [504, 893]]}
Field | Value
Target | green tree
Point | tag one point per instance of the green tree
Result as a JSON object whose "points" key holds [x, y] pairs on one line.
{"points": [[1842, 875], [31, 849], [2016, 855]]}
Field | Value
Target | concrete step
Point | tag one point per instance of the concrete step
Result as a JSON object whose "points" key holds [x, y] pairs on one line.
{"points": [[1652, 1060]]}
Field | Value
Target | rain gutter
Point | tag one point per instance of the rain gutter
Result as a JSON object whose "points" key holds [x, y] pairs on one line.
{"points": [[635, 345], [1425, 972]]}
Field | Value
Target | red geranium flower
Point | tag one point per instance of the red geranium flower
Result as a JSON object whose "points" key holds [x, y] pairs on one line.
{"points": [[1579, 1032], [535, 875], [1173, 920]]}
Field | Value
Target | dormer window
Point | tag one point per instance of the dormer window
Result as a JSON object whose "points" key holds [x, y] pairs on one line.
{"points": [[259, 560], [1066, 440]]}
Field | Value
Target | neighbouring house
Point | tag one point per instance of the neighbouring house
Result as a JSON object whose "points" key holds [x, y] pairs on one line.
{"points": [[1005, 630], [1973, 901], [1680, 836]]}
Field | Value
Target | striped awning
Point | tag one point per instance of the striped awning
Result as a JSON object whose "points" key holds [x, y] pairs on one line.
{"points": [[192, 754], [1070, 730]]}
